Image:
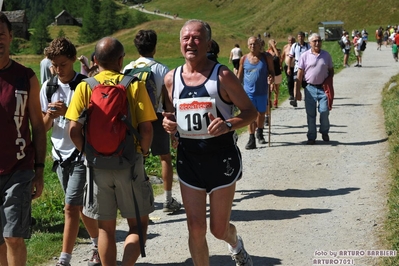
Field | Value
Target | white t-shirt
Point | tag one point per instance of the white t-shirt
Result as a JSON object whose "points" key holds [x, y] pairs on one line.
{"points": [[236, 53], [346, 42], [60, 131], [159, 71]]}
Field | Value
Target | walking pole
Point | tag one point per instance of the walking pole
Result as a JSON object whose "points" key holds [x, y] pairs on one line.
{"points": [[269, 117]]}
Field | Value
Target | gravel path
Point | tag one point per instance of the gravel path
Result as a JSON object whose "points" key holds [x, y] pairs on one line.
{"points": [[296, 199]]}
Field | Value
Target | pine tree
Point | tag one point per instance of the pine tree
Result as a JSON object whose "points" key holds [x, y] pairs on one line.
{"points": [[90, 30], [40, 36], [108, 22]]}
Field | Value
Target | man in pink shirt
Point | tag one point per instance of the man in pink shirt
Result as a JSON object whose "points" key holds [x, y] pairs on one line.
{"points": [[314, 66]]}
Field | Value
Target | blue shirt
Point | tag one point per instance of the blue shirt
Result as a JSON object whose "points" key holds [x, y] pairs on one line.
{"points": [[255, 77]]}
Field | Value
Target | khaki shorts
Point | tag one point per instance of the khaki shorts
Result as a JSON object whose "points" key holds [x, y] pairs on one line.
{"points": [[112, 190], [358, 52]]}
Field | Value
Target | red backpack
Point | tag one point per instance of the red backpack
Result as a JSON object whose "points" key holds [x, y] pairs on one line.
{"points": [[109, 141]]}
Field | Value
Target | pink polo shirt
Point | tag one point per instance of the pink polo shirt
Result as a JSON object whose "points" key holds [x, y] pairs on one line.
{"points": [[315, 66]]}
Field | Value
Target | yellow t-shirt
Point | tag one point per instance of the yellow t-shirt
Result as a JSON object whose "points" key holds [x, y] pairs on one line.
{"points": [[140, 103]]}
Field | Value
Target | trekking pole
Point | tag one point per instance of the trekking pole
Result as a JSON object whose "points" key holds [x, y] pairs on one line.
{"points": [[269, 117]]}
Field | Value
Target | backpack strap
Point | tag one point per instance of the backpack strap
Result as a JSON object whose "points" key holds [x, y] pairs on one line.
{"points": [[126, 83], [51, 88], [92, 82], [76, 81]]}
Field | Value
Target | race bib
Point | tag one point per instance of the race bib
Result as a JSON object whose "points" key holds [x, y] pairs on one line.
{"points": [[192, 117]]}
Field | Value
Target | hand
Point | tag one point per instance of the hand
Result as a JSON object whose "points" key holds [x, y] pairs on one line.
{"points": [[217, 126], [169, 122], [56, 109], [37, 183], [270, 79], [174, 140], [298, 96]]}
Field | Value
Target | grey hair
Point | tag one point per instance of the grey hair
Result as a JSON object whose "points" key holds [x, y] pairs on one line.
{"points": [[204, 26], [313, 35]]}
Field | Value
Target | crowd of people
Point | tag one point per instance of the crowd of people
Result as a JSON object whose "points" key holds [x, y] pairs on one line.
{"points": [[208, 164]]}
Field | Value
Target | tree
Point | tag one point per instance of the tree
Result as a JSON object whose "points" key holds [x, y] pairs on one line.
{"points": [[40, 35], [61, 33], [90, 30], [108, 23]]}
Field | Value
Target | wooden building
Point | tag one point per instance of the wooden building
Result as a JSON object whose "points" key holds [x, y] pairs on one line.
{"points": [[64, 18], [19, 23]]}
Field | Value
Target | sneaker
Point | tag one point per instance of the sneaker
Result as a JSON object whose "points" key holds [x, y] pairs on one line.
{"points": [[356, 65], [242, 258], [171, 206], [61, 263], [294, 103], [359, 66], [94, 258]]}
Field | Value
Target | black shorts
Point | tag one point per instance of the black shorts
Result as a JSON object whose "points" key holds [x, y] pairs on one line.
{"points": [[161, 139], [209, 171], [236, 63]]}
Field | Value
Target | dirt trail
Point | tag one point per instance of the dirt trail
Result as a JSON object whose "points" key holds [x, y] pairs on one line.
{"points": [[296, 199]]}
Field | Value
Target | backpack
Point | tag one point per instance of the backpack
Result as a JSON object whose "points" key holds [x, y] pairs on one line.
{"points": [[379, 33], [363, 46], [341, 44], [52, 85], [144, 73], [109, 141]]}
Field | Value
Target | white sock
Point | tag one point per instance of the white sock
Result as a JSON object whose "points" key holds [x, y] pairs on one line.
{"points": [[94, 241], [236, 249], [168, 195], [65, 257]]}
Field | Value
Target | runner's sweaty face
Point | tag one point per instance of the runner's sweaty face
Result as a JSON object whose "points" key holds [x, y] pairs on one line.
{"points": [[193, 41]]}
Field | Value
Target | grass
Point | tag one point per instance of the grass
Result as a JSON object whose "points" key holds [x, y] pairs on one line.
{"points": [[390, 105], [232, 22]]}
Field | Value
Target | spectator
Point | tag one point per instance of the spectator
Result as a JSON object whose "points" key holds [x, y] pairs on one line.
{"points": [[113, 190], [235, 56], [347, 48], [146, 42], [289, 64], [315, 66], [275, 53], [379, 37], [70, 170], [46, 69], [22, 151], [255, 72], [295, 54], [357, 43]]}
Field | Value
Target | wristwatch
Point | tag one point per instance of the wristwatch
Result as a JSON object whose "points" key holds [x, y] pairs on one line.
{"points": [[229, 125]]}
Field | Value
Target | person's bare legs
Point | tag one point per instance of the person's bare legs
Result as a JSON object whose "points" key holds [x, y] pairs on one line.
{"points": [[131, 246], [167, 171], [16, 251], [3, 255], [195, 206], [221, 201], [91, 225], [107, 242], [71, 227], [260, 120]]}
